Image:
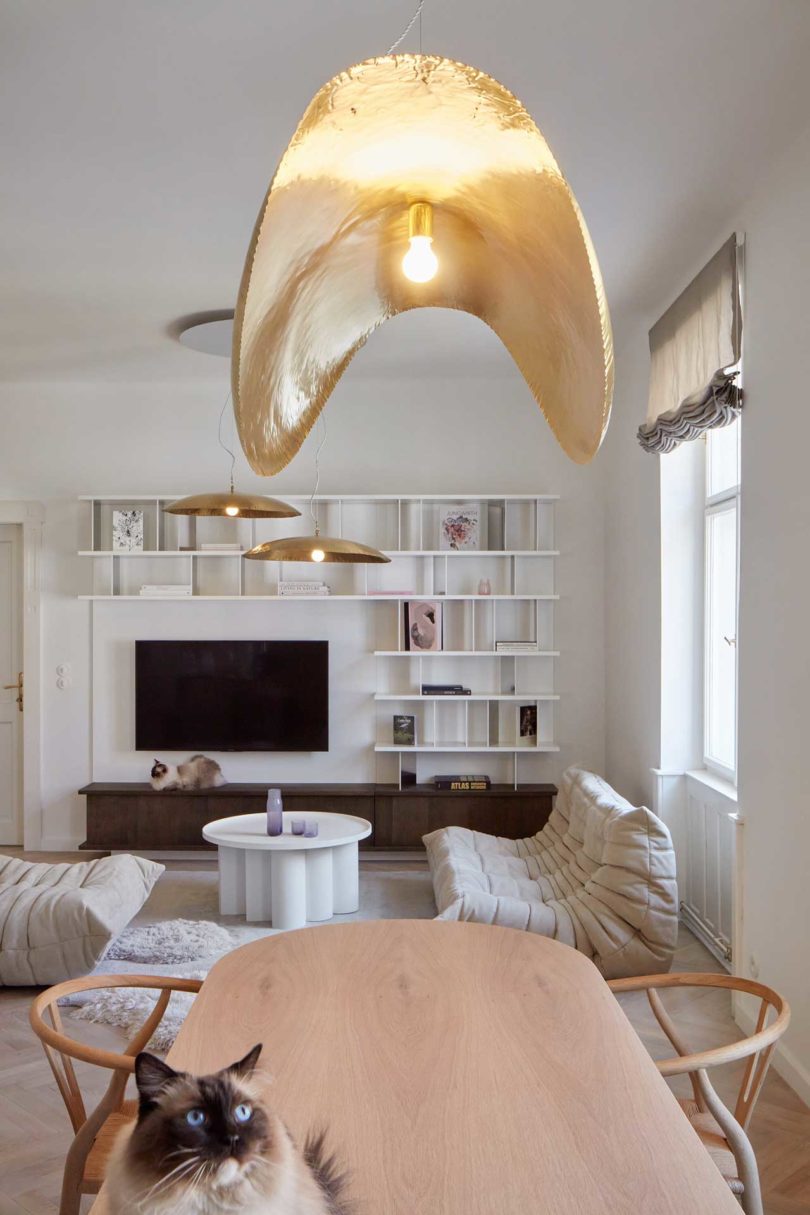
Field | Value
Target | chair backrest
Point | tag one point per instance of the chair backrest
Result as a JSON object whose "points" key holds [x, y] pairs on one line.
{"points": [[60, 1049], [757, 1048]]}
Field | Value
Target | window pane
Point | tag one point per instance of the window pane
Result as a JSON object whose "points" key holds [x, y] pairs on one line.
{"points": [[723, 458], [721, 636]]}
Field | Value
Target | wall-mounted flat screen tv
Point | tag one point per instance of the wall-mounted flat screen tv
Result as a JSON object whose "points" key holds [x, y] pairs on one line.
{"points": [[231, 696]]}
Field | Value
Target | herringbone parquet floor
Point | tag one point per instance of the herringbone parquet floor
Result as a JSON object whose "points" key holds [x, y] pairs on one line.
{"points": [[35, 1132]]}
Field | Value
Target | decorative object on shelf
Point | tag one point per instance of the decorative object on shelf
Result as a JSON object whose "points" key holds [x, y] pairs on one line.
{"points": [[423, 624], [484, 586], [298, 826], [199, 772], [462, 783], [445, 689], [407, 778], [275, 812], [231, 505], [317, 548], [421, 155], [303, 589], [528, 721], [459, 527], [404, 730], [310, 829], [127, 531]]}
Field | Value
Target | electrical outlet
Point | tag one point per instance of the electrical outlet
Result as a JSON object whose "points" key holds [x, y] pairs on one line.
{"points": [[63, 670]]}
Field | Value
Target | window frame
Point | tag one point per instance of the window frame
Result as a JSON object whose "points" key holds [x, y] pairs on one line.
{"points": [[727, 500]]}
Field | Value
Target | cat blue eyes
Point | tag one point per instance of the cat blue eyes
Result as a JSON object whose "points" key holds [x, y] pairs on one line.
{"points": [[195, 1117], [243, 1112]]}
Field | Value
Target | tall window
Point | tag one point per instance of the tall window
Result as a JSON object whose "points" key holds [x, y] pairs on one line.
{"points": [[720, 619]]}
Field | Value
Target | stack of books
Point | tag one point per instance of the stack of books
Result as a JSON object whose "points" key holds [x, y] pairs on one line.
{"points": [[221, 548], [444, 689], [166, 590], [462, 784], [516, 647], [290, 589]]}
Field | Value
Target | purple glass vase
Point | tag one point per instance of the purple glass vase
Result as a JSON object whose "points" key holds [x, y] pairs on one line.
{"points": [[275, 813]]}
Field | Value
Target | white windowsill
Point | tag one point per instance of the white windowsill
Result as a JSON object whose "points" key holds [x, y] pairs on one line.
{"points": [[704, 777]]}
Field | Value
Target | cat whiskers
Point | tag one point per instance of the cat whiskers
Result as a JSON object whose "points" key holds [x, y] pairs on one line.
{"points": [[177, 1174]]}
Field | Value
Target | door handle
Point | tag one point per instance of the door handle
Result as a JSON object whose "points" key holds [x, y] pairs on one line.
{"points": [[8, 687]]}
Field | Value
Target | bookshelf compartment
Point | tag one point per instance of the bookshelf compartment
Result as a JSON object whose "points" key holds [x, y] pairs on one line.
{"points": [[217, 575]]}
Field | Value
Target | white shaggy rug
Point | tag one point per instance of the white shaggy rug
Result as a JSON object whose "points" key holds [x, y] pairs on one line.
{"points": [[171, 941]]}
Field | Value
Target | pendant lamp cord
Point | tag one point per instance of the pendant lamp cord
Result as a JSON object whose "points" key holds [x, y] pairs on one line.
{"points": [[318, 451], [416, 17], [221, 441]]}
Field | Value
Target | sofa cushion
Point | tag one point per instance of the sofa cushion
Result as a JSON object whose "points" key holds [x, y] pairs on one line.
{"points": [[56, 921], [600, 876]]}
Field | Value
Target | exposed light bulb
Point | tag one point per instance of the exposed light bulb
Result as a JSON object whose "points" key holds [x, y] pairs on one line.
{"points": [[420, 262], [317, 554], [232, 510]]}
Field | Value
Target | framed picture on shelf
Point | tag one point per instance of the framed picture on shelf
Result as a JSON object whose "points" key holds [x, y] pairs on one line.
{"points": [[423, 625], [528, 721], [460, 527], [404, 730], [127, 531]]}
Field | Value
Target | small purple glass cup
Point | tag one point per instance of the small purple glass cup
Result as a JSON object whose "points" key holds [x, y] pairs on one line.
{"points": [[297, 825], [310, 829]]}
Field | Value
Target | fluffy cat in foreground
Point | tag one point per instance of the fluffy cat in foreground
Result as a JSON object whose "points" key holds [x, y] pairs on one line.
{"points": [[199, 772], [208, 1145]]}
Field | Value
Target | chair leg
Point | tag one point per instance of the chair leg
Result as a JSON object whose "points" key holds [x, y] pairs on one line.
{"points": [[749, 1176], [70, 1202]]}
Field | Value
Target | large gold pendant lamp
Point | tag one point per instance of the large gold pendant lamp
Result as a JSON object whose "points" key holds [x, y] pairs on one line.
{"points": [[414, 181]]}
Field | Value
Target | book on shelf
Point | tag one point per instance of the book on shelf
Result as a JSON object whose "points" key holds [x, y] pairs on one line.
{"points": [[291, 589], [220, 548], [445, 689], [462, 783], [167, 590], [516, 647]]}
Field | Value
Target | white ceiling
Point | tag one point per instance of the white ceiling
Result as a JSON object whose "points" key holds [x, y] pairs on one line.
{"points": [[138, 140]]}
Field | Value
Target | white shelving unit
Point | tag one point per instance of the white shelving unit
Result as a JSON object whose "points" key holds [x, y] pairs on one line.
{"points": [[518, 557]]}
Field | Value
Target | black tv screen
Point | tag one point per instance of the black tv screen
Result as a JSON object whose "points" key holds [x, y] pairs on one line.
{"points": [[231, 696]]}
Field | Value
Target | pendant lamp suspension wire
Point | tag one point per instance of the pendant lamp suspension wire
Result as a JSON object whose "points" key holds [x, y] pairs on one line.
{"points": [[221, 441], [318, 451], [417, 16]]}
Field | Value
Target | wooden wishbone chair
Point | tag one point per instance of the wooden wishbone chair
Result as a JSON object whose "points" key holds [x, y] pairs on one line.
{"points": [[95, 1133], [721, 1132]]}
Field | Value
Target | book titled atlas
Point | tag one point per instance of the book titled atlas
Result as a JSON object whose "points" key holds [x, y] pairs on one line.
{"points": [[462, 784]]}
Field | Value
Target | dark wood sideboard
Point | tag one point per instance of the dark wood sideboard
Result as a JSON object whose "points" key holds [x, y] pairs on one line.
{"points": [[133, 816]]}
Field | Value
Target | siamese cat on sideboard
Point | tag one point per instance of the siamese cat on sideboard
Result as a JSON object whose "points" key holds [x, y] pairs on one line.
{"points": [[199, 772], [210, 1145]]}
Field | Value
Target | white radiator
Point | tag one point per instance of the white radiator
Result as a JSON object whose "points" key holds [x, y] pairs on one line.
{"points": [[701, 812]]}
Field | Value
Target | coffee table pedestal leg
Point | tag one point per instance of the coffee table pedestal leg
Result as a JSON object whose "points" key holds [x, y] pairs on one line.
{"points": [[288, 889], [346, 878], [258, 884], [319, 884], [231, 881]]}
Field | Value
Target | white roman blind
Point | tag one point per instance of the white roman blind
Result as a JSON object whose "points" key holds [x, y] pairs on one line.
{"points": [[695, 357]]}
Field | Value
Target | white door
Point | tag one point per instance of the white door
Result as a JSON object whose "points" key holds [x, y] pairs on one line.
{"points": [[11, 717]]}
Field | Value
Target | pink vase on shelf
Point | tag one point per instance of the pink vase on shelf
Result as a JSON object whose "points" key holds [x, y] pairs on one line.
{"points": [[485, 587]]}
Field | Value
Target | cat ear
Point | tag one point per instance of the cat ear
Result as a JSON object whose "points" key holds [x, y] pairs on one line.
{"points": [[245, 1066], [152, 1075]]}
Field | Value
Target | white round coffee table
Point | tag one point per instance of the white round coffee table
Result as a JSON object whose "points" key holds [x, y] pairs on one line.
{"points": [[288, 878]]}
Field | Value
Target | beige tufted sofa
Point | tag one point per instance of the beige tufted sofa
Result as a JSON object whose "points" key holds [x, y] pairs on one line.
{"points": [[600, 876], [56, 921]]}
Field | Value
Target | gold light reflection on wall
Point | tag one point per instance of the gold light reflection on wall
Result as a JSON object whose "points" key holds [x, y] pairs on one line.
{"points": [[324, 267]]}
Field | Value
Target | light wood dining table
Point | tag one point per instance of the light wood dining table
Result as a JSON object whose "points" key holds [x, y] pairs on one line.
{"points": [[460, 1069]]}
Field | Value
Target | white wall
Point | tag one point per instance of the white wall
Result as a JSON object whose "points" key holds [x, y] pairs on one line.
{"points": [[408, 436], [774, 586]]}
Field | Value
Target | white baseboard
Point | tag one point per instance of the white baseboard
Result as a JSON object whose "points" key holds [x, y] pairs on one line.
{"points": [[794, 1073]]}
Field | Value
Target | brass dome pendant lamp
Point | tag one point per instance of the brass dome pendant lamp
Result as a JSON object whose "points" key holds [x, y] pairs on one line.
{"points": [[414, 181], [231, 505], [316, 547]]}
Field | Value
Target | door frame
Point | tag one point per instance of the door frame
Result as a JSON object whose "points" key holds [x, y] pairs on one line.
{"points": [[31, 517]]}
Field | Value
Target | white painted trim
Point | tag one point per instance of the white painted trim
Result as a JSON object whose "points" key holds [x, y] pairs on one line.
{"points": [[60, 843], [711, 780], [32, 516], [785, 1063]]}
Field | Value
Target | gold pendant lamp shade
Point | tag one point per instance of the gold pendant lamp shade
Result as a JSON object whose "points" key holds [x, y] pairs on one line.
{"points": [[316, 548], [413, 181], [233, 506]]}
